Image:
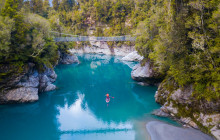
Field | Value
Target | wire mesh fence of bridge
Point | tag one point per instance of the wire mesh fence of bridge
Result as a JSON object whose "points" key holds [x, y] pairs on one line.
{"points": [[88, 38], [75, 38]]}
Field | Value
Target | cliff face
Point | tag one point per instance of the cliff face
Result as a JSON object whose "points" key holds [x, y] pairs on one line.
{"points": [[24, 86], [179, 103], [68, 58], [183, 106], [146, 74]]}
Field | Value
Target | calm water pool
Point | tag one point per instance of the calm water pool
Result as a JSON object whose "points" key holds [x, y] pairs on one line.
{"points": [[77, 109]]}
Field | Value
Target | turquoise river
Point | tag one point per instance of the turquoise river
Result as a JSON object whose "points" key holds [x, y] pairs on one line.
{"points": [[77, 109]]}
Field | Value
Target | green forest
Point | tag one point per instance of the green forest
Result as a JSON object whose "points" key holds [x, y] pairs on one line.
{"points": [[180, 37]]}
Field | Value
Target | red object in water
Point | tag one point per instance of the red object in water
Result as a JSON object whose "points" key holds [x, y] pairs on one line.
{"points": [[107, 95]]}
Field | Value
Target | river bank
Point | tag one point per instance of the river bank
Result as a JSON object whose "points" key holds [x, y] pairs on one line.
{"points": [[162, 131]]}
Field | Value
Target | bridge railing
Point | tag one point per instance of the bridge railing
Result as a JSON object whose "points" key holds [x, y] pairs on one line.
{"points": [[87, 38]]}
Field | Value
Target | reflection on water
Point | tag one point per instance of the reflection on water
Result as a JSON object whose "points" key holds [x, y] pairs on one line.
{"points": [[76, 118], [77, 110]]}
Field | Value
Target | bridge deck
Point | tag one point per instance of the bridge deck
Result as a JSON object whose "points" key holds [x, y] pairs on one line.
{"points": [[87, 38]]}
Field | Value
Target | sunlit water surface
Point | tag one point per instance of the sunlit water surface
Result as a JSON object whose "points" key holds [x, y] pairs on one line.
{"points": [[77, 109]]}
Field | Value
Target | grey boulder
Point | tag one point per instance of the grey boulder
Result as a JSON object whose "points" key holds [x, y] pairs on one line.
{"points": [[20, 95], [68, 59], [133, 56], [146, 74], [50, 87]]}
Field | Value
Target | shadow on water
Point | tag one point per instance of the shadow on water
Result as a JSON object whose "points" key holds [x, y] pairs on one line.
{"points": [[77, 109]]}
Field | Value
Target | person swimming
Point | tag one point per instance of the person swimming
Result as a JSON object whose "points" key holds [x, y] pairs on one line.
{"points": [[107, 98]]}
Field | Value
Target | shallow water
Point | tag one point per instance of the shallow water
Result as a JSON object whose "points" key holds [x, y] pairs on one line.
{"points": [[77, 109]]}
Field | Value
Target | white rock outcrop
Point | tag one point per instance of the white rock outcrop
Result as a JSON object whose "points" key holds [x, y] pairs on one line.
{"points": [[98, 47], [145, 74], [133, 56], [68, 59], [22, 94], [140, 72], [50, 87]]}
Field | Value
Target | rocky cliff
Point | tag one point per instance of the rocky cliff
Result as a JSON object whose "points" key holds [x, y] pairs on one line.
{"points": [[146, 73], [66, 58], [183, 106], [103, 48], [24, 86], [133, 56], [179, 102]]}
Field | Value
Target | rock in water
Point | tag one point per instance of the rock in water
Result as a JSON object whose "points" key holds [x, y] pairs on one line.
{"points": [[140, 72], [162, 131], [145, 74], [68, 58], [160, 113], [50, 87], [133, 56], [20, 95], [46, 80]]}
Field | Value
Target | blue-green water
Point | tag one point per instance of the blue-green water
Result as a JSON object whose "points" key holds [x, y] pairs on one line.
{"points": [[77, 109]]}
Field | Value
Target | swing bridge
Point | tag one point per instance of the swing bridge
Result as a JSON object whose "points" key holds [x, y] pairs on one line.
{"points": [[76, 38]]}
